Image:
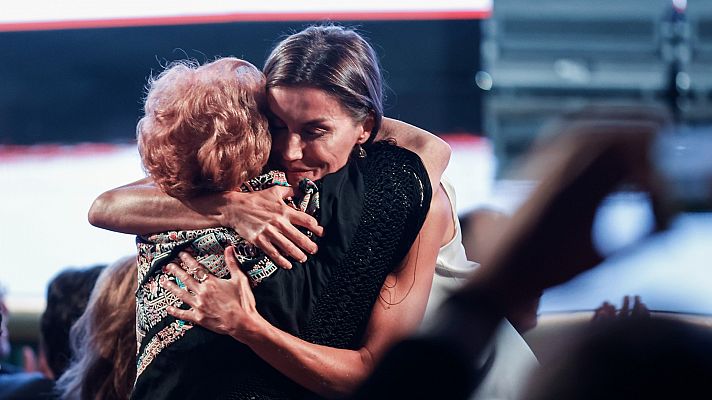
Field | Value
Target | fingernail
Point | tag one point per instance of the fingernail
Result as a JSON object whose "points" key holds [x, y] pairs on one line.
{"points": [[182, 254]]}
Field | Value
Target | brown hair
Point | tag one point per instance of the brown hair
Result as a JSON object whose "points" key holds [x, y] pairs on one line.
{"points": [[204, 128], [103, 339], [334, 59]]}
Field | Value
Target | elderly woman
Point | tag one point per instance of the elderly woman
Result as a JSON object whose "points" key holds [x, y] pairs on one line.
{"points": [[318, 323]]}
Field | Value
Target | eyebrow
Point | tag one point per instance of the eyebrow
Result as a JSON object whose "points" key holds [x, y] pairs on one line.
{"points": [[317, 121]]}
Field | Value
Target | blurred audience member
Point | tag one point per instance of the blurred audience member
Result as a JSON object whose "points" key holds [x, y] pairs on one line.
{"points": [[13, 383], [67, 297], [512, 360], [481, 228], [630, 358], [5, 368], [103, 340]]}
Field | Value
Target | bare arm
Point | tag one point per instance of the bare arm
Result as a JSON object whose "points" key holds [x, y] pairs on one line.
{"points": [[324, 370], [260, 217], [141, 207], [434, 152], [547, 242]]}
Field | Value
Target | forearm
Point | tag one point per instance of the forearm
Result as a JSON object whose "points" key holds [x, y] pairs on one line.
{"points": [[434, 152], [141, 208], [326, 371], [332, 372]]}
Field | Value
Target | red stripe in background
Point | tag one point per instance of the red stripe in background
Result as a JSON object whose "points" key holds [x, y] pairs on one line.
{"points": [[245, 17]]}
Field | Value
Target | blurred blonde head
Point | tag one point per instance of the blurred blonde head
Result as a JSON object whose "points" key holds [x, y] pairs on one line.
{"points": [[103, 339], [204, 129]]}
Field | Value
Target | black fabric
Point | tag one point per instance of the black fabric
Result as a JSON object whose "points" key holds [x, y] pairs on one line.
{"points": [[371, 211], [396, 202], [423, 368]]}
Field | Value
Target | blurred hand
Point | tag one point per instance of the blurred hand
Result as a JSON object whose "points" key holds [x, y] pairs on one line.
{"points": [[30, 362], [607, 311], [263, 219], [548, 241]]}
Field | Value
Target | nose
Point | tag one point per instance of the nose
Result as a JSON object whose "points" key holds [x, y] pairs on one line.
{"points": [[290, 146]]}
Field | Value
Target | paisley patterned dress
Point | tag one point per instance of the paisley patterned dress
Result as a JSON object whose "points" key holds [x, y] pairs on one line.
{"points": [[155, 329]]}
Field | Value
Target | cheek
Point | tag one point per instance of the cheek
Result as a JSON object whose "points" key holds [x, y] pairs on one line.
{"points": [[337, 155]]}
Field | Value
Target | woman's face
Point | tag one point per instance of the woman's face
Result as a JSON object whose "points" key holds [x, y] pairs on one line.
{"points": [[312, 134]]}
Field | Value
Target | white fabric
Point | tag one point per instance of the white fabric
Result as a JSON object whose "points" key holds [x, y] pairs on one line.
{"points": [[514, 360], [452, 266]]}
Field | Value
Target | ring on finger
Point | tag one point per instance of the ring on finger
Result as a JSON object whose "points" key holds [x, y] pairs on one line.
{"points": [[201, 279]]}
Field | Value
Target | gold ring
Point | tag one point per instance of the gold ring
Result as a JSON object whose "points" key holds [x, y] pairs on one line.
{"points": [[202, 278]]}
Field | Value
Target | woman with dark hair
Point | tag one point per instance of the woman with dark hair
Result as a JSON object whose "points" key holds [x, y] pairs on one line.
{"points": [[103, 340], [320, 323], [67, 297]]}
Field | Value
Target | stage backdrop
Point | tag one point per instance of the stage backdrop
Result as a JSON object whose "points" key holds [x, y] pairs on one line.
{"points": [[75, 72]]}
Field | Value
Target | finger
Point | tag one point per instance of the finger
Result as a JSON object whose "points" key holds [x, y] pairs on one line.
{"points": [[299, 218], [284, 192], [193, 267], [287, 247], [625, 309], [185, 315], [181, 294], [639, 308], [607, 311], [597, 314], [272, 253], [232, 264], [29, 359], [189, 282], [298, 238], [602, 306]]}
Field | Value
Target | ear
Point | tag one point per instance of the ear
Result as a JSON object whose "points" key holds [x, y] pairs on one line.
{"points": [[368, 125]]}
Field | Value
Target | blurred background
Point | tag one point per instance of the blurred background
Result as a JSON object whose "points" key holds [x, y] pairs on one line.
{"points": [[485, 77]]}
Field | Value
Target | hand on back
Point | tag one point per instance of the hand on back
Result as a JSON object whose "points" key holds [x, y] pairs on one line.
{"points": [[265, 220]]}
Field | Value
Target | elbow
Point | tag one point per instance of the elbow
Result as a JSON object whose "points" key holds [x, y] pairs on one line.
{"points": [[99, 214], [342, 390], [444, 152], [352, 380]]}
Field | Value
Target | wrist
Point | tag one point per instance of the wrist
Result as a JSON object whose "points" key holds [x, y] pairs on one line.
{"points": [[252, 331], [226, 201]]}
